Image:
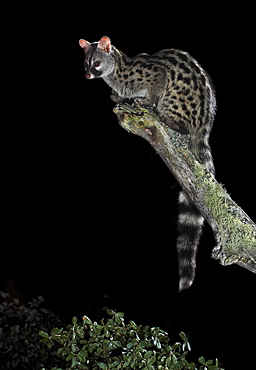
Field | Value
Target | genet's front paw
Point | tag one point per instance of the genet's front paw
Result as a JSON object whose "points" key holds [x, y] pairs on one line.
{"points": [[116, 98], [143, 102]]}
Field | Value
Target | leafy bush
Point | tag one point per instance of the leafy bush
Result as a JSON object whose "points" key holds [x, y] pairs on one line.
{"points": [[114, 345], [19, 326]]}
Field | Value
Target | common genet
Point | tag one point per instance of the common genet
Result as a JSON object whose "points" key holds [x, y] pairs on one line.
{"points": [[183, 96]]}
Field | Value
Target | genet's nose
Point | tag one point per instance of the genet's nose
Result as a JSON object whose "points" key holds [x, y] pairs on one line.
{"points": [[88, 75]]}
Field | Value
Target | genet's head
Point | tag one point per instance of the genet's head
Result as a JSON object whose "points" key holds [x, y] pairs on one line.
{"points": [[99, 59]]}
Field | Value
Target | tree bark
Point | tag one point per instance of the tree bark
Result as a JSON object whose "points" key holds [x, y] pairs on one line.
{"points": [[234, 231]]}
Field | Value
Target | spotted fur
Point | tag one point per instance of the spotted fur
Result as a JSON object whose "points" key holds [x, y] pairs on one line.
{"points": [[183, 95]]}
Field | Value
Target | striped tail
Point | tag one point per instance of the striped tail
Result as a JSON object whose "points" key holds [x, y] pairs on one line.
{"points": [[190, 223]]}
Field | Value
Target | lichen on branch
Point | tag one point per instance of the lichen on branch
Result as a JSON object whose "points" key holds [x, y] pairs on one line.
{"points": [[234, 231]]}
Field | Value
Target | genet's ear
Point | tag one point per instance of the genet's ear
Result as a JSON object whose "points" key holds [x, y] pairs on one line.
{"points": [[105, 44], [84, 44]]}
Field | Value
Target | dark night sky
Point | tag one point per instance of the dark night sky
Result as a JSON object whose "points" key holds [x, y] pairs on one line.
{"points": [[91, 210]]}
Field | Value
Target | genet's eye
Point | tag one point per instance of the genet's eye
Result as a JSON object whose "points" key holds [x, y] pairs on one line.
{"points": [[96, 64]]}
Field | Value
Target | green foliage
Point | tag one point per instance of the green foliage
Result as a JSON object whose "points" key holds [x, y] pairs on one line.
{"points": [[19, 325], [112, 345]]}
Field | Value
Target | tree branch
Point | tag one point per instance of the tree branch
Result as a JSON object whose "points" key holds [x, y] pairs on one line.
{"points": [[234, 231]]}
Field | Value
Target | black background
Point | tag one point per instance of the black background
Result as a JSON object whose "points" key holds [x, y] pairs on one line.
{"points": [[90, 211]]}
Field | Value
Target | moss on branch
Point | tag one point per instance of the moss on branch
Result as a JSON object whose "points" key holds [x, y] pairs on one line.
{"points": [[234, 231]]}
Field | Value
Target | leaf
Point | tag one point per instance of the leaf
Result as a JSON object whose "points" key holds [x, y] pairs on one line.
{"points": [[83, 353], [168, 360], [183, 336], [192, 366], [133, 363], [120, 314], [102, 365], [106, 344], [157, 344], [99, 351], [74, 361], [43, 334], [91, 347], [201, 360], [80, 334], [114, 364], [56, 331], [74, 320], [184, 363], [117, 343], [188, 346], [106, 332], [49, 343], [64, 337], [132, 343], [132, 323], [177, 345], [86, 320], [209, 362], [73, 347], [82, 359], [70, 357], [58, 340], [60, 350], [148, 354], [110, 312], [174, 359], [152, 360], [84, 341]]}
